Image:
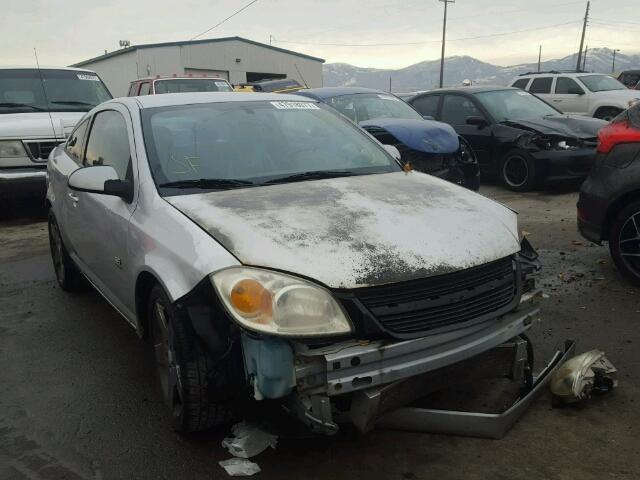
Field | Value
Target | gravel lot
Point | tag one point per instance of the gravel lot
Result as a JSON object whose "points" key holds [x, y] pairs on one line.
{"points": [[78, 398]]}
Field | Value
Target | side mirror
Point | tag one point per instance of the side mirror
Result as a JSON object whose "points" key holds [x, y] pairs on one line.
{"points": [[428, 117], [393, 151], [103, 180], [479, 122]]}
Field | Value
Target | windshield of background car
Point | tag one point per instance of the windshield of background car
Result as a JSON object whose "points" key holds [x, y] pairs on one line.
{"points": [[504, 105], [601, 83], [256, 141], [366, 106], [181, 85], [22, 90]]}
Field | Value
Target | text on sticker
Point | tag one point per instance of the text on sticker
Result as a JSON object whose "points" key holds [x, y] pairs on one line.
{"points": [[295, 105], [93, 78]]}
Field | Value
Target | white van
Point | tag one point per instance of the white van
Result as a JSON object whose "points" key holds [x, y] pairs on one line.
{"points": [[38, 110]]}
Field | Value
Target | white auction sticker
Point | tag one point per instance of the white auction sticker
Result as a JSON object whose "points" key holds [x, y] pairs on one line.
{"points": [[220, 84], [295, 105], [388, 97], [93, 78]]}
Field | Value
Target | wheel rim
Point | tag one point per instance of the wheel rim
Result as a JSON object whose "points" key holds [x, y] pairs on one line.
{"points": [[166, 366], [515, 171], [55, 242], [629, 243]]}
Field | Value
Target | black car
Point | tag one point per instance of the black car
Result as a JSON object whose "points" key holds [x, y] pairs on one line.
{"points": [[609, 203], [515, 135], [429, 146]]}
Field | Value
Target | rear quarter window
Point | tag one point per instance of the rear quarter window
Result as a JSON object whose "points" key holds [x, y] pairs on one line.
{"points": [[521, 83]]}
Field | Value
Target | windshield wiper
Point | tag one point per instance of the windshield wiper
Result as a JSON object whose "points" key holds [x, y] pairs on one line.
{"points": [[207, 183], [313, 175], [14, 104], [73, 102]]}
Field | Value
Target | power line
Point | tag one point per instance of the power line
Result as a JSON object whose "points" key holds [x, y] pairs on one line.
{"points": [[425, 41], [222, 21]]}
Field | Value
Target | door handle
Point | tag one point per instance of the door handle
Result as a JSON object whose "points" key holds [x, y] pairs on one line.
{"points": [[73, 196]]}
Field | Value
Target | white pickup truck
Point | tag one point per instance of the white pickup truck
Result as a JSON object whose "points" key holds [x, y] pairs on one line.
{"points": [[38, 110]]}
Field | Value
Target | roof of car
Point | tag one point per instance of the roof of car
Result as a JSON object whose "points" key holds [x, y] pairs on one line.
{"points": [[329, 92], [177, 77], [42, 67], [172, 99], [470, 89]]}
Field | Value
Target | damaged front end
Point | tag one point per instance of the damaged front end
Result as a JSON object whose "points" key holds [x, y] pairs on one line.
{"points": [[409, 340], [431, 149]]}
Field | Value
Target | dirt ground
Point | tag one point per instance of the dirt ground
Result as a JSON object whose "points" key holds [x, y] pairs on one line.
{"points": [[78, 398]]}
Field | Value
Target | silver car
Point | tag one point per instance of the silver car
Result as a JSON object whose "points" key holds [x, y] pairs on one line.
{"points": [[269, 248]]}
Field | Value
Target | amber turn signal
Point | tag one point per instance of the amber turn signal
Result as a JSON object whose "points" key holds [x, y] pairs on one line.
{"points": [[251, 299]]}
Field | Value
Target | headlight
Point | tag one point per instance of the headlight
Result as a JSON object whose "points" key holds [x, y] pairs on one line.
{"points": [[279, 304], [12, 149]]}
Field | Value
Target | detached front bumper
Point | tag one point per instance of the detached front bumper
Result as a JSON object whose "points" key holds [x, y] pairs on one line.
{"points": [[566, 164], [23, 182], [328, 377]]}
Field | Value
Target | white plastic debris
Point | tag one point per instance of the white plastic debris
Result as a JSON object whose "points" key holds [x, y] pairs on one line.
{"points": [[583, 375], [248, 440], [240, 467]]}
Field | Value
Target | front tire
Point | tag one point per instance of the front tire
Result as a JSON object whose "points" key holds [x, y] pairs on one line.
{"points": [[518, 171], [607, 114], [67, 274], [188, 377], [624, 242]]}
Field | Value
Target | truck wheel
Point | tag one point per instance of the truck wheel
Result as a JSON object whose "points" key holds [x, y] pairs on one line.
{"points": [[607, 114], [67, 274], [187, 375], [518, 171], [624, 242]]}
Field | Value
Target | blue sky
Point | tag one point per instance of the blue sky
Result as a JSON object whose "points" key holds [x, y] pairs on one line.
{"points": [[68, 31]]}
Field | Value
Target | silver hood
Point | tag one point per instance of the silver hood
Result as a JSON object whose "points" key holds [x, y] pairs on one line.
{"points": [[357, 231], [34, 125]]}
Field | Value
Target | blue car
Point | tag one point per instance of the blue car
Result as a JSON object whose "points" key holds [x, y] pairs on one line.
{"points": [[429, 146]]}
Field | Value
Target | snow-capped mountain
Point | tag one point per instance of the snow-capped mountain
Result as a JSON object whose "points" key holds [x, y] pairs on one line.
{"points": [[425, 75]]}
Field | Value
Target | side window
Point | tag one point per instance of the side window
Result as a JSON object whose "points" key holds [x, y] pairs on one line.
{"points": [[521, 83], [109, 143], [427, 105], [144, 88], [456, 109], [132, 89], [541, 85], [566, 85], [75, 144]]}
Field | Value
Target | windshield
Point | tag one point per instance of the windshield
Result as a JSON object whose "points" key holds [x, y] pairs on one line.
{"points": [[366, 106], [504, 105], [181, 85], [255, 142], [21, 90], [601, 83]]}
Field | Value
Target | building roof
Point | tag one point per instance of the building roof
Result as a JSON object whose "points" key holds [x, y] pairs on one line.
{"points": [[195, 42], [172, 99]]}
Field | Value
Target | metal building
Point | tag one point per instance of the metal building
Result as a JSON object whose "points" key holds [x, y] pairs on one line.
{"points": [[234, 58]]}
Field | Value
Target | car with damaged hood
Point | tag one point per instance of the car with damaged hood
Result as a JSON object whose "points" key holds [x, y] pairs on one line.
{"points": [[269, 248], [517, 137], [429, 146], [38, 109]]}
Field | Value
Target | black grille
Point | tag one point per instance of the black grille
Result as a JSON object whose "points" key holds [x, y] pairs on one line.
{"points": [[426, 304], [41, 150]]}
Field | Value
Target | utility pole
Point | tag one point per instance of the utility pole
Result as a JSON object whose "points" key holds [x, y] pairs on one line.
{"points": [[270, 38], [584, 30], [389, 83], [444, 35], [613, 65], [539, 57], [584, 60]]}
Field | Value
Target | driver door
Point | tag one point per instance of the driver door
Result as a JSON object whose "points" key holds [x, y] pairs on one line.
{"points": [[568, 97], [99, 224]]}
